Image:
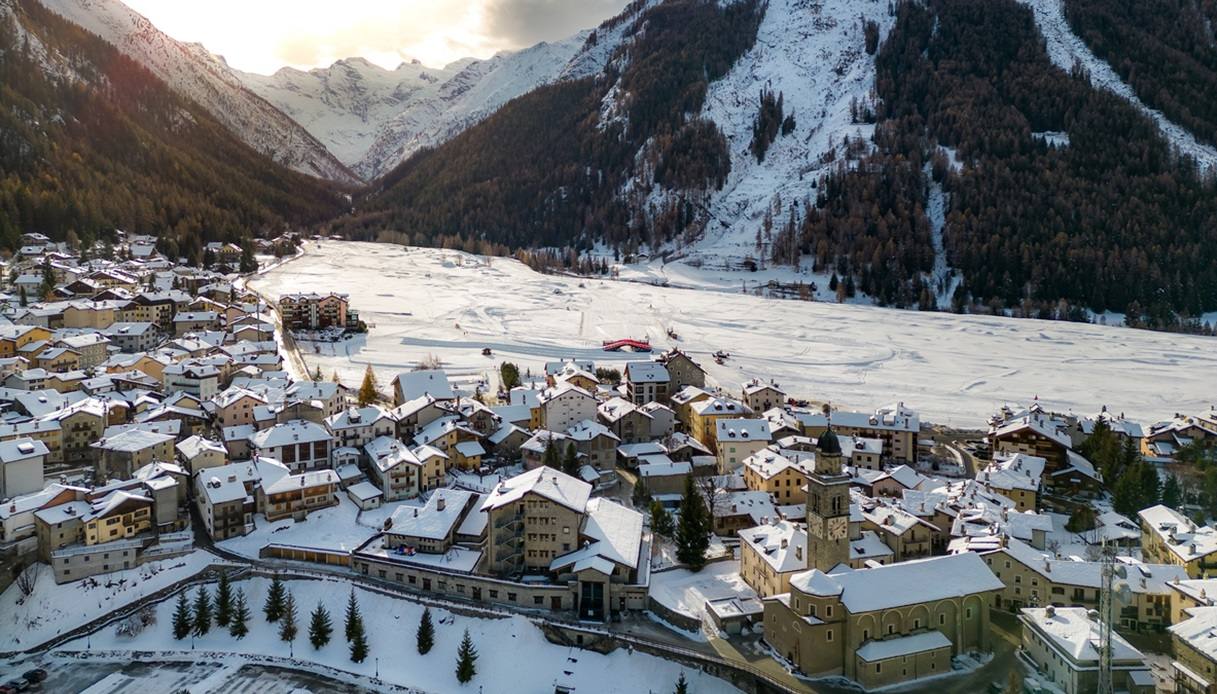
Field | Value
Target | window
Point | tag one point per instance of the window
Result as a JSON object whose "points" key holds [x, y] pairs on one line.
{"points": [[968, 613], [828, 635], [828, 611], [942, 619], [878, 668], [511, 597], [538, 600]]}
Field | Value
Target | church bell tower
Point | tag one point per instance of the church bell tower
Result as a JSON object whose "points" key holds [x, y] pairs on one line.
{"points": [[828, 507]]}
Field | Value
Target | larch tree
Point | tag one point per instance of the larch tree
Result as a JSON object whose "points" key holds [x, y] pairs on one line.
{"points": [[367, 389]]}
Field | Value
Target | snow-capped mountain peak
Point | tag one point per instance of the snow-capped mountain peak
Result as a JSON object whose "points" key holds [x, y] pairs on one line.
{"points": [[191, 70]]}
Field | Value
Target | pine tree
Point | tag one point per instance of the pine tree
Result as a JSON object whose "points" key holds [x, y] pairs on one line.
{"points": [[682, 686], [550, 457], [661, 520], [353, 617], [182, 620], [239, 624], [202, 612], [273, 609], [223, 601], [466, 660], [367, 389], [248, 262], [320, 628], [287, 624], [641, 496], [570, 463], [357, 637], [317, 374], [692, 533], [1172, 493], [426, 632]]}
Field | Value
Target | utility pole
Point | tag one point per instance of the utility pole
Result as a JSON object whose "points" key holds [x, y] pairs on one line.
{"points": [[1106, 615]]}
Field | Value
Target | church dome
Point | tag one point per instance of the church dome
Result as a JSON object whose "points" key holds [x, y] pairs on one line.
{"points": [[828, 443]]}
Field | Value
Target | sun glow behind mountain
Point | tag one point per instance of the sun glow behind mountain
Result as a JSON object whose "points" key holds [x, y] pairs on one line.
{"points": [[264, 35]]}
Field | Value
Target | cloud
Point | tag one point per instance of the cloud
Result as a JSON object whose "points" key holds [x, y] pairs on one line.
{"points": [[526, 22], [265, 35]]}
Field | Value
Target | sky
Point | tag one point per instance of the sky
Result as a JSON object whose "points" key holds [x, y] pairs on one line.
{"points": [[263, 35]]}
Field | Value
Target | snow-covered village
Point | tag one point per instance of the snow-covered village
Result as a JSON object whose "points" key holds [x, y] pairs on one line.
{"points": [[608, 346], [210, 471]]}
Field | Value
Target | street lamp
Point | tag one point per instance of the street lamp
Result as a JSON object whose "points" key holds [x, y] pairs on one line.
{"points": [[377, 667]]}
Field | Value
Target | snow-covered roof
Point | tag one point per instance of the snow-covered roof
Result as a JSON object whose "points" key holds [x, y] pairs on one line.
{"points": [[728, 430], [1071, 631], [415, 384], [768, 463], [196, 445], [646, 372], [304, 480], [900, 646], [720, 407], [782, 544], [131, 440], [551, 484], [1200, 631], [434, 521], [356, 417], [15, 450], [907, 583], [1179, 534], [615, 408], [586, 430], [290, 432], [1013, 471], [869, 546]]}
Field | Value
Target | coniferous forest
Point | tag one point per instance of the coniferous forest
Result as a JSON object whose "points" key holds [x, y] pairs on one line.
{"points": [[96, 142], [1113, 220], [547, 168], [1062, 197]]}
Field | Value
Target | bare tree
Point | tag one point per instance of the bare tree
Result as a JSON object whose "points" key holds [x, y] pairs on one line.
{"points": [[28, 579]]}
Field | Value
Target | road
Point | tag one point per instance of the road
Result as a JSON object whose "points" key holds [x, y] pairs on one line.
{"points": [[70, 674]]}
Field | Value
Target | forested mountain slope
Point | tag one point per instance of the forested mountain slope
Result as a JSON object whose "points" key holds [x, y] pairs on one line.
{"points": [[91, 141], [1065, 195], [931, 155], [192, 71], [555, 166]]}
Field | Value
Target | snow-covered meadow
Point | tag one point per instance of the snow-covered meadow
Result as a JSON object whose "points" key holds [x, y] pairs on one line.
{"points": [[955, 369], [53, 609], [513, 655]]}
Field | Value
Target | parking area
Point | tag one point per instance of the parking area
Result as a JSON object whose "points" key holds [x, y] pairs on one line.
{"points": [[86, 677]]}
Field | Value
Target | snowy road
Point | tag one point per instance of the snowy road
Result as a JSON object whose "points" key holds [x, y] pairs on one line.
{"points": [[955, 369]]}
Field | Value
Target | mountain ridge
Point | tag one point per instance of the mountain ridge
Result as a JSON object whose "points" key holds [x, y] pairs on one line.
{"points": [[197, 74]]}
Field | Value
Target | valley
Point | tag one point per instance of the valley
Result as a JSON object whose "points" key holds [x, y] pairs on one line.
{"points": [[954, 369]]}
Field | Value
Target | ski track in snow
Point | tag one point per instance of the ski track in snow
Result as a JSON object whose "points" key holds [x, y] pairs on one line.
{"points": [[1065, 47], [955, 369]]}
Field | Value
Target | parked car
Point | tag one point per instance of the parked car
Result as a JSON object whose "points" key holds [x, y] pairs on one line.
{"points": [[34, 676]]}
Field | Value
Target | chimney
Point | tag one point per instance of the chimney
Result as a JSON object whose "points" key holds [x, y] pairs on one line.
{"points": [[439, 504], [798, 552], [785, 542]]}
